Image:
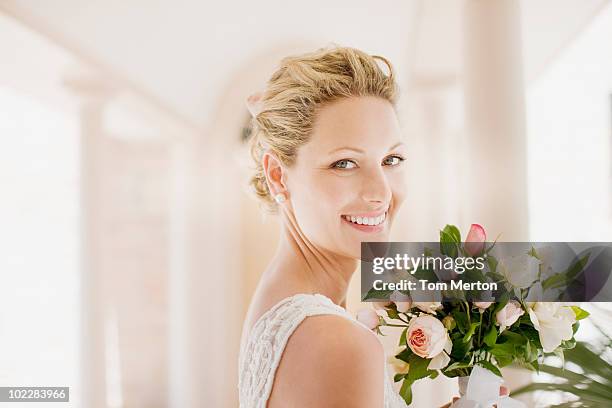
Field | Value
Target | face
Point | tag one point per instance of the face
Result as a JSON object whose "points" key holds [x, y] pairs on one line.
{"points": [[349, 180]]}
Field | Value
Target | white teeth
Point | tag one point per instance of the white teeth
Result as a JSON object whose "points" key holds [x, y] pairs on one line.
{"points": [[366, 220]]}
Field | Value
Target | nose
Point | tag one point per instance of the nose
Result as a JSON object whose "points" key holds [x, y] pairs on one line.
{"points": [[375, 187]]}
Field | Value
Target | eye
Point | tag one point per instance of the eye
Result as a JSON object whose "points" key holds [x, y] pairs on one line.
{"points": [[393, 160], [344, 164]]}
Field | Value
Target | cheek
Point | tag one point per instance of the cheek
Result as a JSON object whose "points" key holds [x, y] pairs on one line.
{"points": [[316, 200], [325, 195], [398, 183]]}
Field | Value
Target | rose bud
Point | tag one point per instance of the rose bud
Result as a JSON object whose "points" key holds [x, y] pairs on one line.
{"points": [[475, 240]]}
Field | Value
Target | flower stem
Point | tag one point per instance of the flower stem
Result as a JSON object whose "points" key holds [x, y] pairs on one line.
{"points": [[480, 327], [400, 317], [467, 311]]}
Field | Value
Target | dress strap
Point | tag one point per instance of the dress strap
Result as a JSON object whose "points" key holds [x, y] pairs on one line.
{"points": [[268, 338]]}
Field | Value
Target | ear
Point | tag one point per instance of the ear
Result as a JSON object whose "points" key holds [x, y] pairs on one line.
{"points": [[275, 174]]}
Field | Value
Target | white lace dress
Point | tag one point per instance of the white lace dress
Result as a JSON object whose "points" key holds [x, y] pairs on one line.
{"points": [[260, 354]]}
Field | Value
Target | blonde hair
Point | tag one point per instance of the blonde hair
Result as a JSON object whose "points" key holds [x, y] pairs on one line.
{"points": [[302, 84]]}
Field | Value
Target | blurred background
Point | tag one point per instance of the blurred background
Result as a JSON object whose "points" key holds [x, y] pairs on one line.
{"points": [[129, 244]]}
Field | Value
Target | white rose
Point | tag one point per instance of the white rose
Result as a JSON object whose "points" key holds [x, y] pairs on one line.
{"points": [[428, 307], [553, 322], [509, 314], [555, 259], [482, 305], [427, 337], [520, 270]]}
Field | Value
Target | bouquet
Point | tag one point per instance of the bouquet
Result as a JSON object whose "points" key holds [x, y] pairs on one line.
{"points": [[462, 338]]}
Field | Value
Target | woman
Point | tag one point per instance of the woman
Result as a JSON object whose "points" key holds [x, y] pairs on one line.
{"points": [[329, 159]]}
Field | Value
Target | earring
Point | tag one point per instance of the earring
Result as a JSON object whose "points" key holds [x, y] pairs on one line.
{"points": [[280, 197]]}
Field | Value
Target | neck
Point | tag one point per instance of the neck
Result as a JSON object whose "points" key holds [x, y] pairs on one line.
{"points": [[311, 269]]}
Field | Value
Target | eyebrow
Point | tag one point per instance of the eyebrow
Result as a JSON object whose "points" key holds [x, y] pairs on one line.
{"points": [[361, 151]]}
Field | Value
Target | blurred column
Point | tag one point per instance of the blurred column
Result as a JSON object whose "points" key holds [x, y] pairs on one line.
{"points": [[495, 127], [495, 118], [204, 286], [181, 376], [93, 95]]}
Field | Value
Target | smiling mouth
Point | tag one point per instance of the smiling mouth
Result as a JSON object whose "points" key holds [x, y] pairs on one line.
{"points": [[369, 221]]}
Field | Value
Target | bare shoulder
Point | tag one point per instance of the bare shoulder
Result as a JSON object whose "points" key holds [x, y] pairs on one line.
{"points": [[336, 362]]}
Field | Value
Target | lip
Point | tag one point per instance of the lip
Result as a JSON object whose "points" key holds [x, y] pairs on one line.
{"points": [[368, 228]]}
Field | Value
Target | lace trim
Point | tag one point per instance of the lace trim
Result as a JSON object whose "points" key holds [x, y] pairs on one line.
{"points": [[266, 342]]}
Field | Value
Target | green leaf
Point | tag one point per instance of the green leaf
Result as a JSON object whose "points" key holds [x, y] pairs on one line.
{"points": [[377, 294], [491, 337], [457, 365], [532, 252], [453, 232], [470, 332], [568, 344], [503, 361], [580, 313], [503, 301], [402, 340], [531, 334], [392, 313], [460, 348], [461, 320], [406, 391], [590, 361], [531, 352], [531, 366], [577, 267], [514, 338], [418, 370], [563, 279], [450, 238], [405, 355], [504, 353], [398, 377]]}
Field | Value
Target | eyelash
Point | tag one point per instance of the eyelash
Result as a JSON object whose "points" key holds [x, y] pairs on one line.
{"points": [[334, 165]]}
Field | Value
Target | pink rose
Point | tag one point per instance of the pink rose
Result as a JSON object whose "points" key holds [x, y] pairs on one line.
{"points": [[509, 314], [426, 336], [368, 318], [475, 240]]}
